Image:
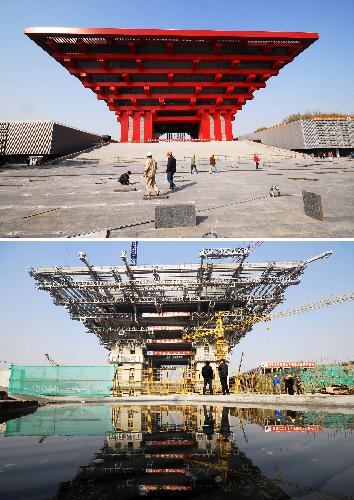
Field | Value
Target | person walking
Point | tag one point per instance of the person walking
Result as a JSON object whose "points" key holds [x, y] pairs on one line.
{"points": [[276, 384], [193, 165], [149, 174], [124, 178], [171, 170], [223, 373], [256, 160], [208, 375], [212, 162]]}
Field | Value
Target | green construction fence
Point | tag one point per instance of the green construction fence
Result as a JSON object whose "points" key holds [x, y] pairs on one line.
{"points": [[77, 381], [78, 420]]}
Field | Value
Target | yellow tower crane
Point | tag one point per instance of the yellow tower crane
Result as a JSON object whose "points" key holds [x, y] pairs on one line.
{"points": [[218, 331]]}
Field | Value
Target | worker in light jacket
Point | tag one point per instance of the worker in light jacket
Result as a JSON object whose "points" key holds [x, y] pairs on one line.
{"points": [[150, 174]]}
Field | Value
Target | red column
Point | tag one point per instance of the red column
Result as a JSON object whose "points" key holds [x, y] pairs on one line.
{"points": [[204, 130], [228, 126], [217, 127], [148, 126], [124, 126], [136, 127]]}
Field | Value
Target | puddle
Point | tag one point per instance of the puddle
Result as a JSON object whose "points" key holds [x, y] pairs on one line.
{"points": [[110, 451]]}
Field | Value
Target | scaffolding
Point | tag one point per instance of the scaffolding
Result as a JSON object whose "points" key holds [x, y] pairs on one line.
{"points": [[143, 314]]}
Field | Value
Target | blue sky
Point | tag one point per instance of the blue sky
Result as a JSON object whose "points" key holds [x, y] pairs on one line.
{"points": [[31, 325], [34, 87]]}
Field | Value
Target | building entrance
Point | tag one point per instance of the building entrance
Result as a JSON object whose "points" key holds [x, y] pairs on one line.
{"points": [[176, 131]]}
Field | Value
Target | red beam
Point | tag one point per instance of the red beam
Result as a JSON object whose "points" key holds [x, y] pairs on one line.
{"points": [[132, 47], [224, 108], [160, 33], [195, 63], [170, 47], [179, 96], [166, 71], [81, 44], [217, 48], [168, 86], [103, 63], [250, 77], [176, 57], [176, 119]]}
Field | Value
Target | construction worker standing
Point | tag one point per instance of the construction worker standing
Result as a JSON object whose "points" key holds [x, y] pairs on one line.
{"points": [[208, 375], [276, 384], [223, 373], [149, 174], [299, 387], [171, 170]]}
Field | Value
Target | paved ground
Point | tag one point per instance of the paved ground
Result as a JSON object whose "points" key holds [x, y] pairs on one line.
{"points": [[320, 402], [77, 197]]}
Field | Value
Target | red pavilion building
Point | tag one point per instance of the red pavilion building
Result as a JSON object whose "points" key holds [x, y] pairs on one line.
{"points": [[166, 81]]}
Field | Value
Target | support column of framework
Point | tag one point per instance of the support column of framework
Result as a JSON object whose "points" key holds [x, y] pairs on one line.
{"points": [[204, 132], [222, 122], [212, 128], [136, 127], [205, 351], [130, 359], [124, 126], [141, 126], [217, 126], [147, 126], [130, 126], [227, 119]]}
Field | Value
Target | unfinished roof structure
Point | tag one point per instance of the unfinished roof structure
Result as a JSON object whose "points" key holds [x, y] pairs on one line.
{"points": [[166, 81], [152, 306]]}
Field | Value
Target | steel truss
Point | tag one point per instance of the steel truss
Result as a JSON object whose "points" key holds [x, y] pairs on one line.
{"points": [[122, 304]]}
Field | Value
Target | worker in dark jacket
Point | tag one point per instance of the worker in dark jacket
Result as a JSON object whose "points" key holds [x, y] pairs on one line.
{"points": [[223, 373], [171, 170], [124, 178], [207, 374], [209, 422]]}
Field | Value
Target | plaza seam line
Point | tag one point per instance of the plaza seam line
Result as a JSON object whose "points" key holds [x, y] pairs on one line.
{"points": [[133, 224]]}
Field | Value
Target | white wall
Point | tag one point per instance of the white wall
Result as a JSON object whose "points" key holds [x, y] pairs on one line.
{"points": [[4, 378]]}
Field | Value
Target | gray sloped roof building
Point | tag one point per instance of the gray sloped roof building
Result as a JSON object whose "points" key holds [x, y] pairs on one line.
{"points": [[308, 134]]}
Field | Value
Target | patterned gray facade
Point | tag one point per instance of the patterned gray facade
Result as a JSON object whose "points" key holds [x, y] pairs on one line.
{"points": [[308, 134], [42, 138]]}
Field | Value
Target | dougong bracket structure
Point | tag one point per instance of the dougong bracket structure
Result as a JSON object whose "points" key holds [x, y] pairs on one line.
{"points": [[167, 81]]}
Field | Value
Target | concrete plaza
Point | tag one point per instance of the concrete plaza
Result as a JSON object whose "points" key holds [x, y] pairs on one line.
{"points": [[77, 197]]}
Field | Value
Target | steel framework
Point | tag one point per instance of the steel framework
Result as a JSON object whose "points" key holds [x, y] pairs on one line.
{"points": [[154, 306], [166, 81]]}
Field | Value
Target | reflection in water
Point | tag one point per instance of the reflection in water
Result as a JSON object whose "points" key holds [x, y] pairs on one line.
{"points": [[200, 451], [184, 450]]}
